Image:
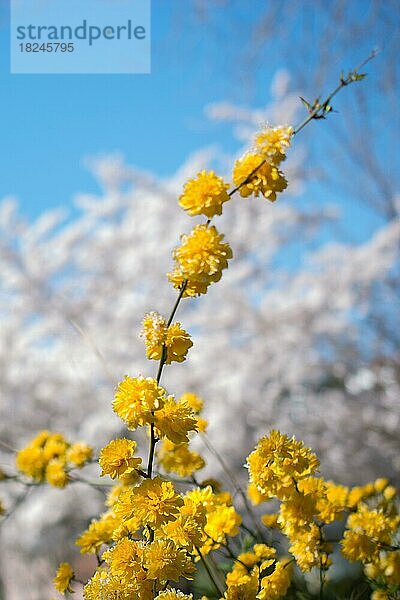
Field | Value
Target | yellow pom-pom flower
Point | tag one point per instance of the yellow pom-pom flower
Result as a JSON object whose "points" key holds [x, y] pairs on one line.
{"points": [[192, 400], [165, 561], [157, 336], [204, 195], [63, 578], [117, 458], [154, 502], [199, 260], [79, 454], [56, 474], [278, 462], [254, 175], [136, 399], [272, 143], [179, 459], [173, 595], [31, 462], [98, 533], [174, 421]]}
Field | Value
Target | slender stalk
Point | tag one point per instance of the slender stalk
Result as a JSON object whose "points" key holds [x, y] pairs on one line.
{"points": [[153, 438], [219, 590], [317, 112]]}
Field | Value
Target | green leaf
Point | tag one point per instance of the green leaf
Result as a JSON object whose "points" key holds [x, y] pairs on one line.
{"points": [[306, 104]]}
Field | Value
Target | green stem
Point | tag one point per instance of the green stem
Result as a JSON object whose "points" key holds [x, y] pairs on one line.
{"points": [[219, 591]]}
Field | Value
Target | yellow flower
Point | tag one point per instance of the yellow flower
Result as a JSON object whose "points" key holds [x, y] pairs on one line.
{"points": [[56, 474], [359, 493], [270, 520], [173, 595], [154, 502], [222, 521], [125, 558], [255, 495], [380, 595], [157, 335], [106, 585], [177, 343], [204, 195], [136, 399], [98, 533], [368, 530], [390, 492], [79, 454], [192, 400], [275, 585], [30, 461], [386, 569], [117, 458], [187, 530], [200, 260], [278, 462], [63, 578], [260, 176], [174, 421], [164, 561], [272, 143], [55, 446], [179, 459], [308, 549]]}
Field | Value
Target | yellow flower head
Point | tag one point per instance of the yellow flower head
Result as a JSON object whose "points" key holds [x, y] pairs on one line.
{"points": [[368, 530], [173, 595], [174, 421], [98, 533], [157, 335], [255, 495], [275, 585], [308, 548], [259, 175], [187, 530], [273, 142], [192, 400], [165, 561], [63, 578], [79, 454], [135, 399], [204, 195], [56, 474], [154, 502], [125, 558], [31, 462], [200, 260], [278, 462], [179, 459], [55, 446], [117, 458]]}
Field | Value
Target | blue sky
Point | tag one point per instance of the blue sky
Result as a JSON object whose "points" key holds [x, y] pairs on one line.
{"points": [[51, 123]]}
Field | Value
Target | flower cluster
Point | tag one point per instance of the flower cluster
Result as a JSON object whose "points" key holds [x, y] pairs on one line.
{"points": [[283, 468], [258, 574], [257, 172], [49, 457]]}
